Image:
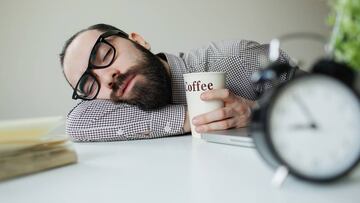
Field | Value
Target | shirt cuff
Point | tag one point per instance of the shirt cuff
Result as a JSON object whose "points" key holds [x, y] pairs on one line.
{"points": [[168, 121]]}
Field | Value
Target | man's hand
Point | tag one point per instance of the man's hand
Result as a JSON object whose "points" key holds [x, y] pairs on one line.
{"points": [[235, 113]]}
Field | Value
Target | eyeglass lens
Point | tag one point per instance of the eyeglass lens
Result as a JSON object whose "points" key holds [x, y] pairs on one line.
{"points": [[102, 56], [88, 87]]}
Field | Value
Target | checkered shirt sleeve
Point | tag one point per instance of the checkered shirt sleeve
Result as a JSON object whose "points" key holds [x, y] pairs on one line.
{"points": [[102, 120]]}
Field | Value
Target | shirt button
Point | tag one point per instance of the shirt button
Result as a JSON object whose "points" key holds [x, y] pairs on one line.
{"points": [[167, 127], [120, 132]]}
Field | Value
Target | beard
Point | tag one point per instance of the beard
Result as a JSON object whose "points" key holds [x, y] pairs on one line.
{"points": [[151, 93]]}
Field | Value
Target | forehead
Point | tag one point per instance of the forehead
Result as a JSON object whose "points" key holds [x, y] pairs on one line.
{"points": [[77, 55]]}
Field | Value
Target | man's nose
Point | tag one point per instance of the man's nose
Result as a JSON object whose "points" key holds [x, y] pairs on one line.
{"points": [[107, 76]]}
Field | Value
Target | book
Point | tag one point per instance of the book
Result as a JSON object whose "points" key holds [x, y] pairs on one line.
{"points": [[32, 145]]}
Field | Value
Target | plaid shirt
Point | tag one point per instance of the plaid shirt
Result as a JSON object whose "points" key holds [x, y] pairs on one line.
{"points": [[101, 120]]}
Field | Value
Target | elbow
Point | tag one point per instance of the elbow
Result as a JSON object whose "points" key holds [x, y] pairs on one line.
{"points": [[76, 126], [74, 132]]}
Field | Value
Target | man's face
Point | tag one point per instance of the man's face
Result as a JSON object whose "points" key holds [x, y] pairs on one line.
{"points": [[136, 76]]}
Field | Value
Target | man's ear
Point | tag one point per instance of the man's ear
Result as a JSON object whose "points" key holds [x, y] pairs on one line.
{"points": [[139, 39]]}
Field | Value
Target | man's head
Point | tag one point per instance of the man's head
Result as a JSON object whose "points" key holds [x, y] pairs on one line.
{"points": [[105, 62]]}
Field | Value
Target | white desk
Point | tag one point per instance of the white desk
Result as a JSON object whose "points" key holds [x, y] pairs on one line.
{"points": [[175, 169]]}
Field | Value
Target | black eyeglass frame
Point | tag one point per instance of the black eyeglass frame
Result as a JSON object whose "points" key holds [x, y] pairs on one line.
{"points": [[91, 66]]}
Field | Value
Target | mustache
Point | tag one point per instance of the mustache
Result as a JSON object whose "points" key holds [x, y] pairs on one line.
{"points": [[120, 79]]}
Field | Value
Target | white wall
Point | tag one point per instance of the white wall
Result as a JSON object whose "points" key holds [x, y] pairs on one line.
{"points": [[33, 32]]}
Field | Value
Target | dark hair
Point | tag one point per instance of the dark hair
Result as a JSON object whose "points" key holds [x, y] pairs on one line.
{"points": [[100, 27]]}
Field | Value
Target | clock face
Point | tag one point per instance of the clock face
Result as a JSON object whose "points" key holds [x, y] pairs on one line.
{"points": [[314, 127]]}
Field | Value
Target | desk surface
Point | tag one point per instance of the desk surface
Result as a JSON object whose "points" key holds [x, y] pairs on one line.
{"points": [[176, 169]]}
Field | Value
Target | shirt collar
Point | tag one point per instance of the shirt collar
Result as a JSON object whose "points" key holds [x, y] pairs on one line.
{"points": [[177, 69]]}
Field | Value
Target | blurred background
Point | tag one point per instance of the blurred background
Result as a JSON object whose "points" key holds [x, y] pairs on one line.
{"points": [[33, 33]]}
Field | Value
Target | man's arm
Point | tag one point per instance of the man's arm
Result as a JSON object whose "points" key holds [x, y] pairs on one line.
{"points": [[102, 120], [240, 59]]}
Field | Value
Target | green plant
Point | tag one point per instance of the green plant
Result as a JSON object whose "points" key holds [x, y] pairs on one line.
{"points": [[345, 40]]}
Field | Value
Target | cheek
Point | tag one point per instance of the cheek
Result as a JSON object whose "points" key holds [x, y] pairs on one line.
{"points": [[127, 59], [123, 63], [104, 93]]}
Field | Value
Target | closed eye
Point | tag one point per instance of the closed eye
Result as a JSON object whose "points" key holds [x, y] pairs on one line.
{"points": [[107, 54]]}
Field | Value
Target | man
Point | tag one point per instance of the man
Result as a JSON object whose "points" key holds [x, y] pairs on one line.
{"points": [[129, 93]]}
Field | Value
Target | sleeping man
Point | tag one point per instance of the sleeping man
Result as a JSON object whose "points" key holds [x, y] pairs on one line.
{"points": [[128, 93]]}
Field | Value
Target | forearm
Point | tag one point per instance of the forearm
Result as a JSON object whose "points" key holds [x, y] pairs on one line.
{"points": [[105, 121]]}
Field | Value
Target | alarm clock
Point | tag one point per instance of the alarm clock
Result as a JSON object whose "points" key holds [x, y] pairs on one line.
{"points": [[309, 125]]}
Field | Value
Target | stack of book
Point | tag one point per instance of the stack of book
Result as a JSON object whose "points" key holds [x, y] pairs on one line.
{"points": [[32, 145]]}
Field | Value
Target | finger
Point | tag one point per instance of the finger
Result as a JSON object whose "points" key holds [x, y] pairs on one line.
{"points": [[223, 94], [219, 125], [216, 115]]}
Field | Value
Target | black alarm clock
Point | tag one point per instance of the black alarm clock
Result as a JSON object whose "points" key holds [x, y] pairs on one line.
{"points": [[309, 125]]}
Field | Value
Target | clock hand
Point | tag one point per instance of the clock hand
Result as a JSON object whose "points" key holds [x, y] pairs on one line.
{"points": [[305, 109], [310, 126]]}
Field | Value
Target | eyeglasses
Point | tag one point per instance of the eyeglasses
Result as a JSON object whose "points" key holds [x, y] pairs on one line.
{"points": [[102, 55]]}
